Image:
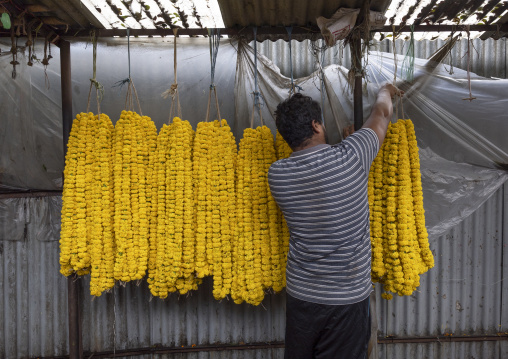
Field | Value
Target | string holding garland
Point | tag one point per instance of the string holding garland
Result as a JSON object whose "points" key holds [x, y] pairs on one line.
{"points": [[128, 79], [99, 89], [256, 104], [408, 64], [173, 90], [469, 55], [293, 86], [214, 40]]}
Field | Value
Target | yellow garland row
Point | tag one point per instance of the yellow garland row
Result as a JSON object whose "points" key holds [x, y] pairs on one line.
{"points": [[400, 246], [214, 198], [258, 253], [86, 242], [172, 241], [134, 136], [180, 191]]}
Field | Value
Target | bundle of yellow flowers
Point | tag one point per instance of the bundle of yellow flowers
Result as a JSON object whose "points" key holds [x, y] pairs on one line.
{"points": [[87, 239], [74, 253], [283, 151], [102, 242], [400, 246], [257, 252], [171, 264], [133, 138], [214, 160]]}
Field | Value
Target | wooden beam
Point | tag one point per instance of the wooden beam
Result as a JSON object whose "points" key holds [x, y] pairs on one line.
{"points": [[73, 281], [272, 31]]}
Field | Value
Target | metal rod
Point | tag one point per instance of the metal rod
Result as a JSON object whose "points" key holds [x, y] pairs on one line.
{"points": [[280, 344], [75, 346], [299, 32], [31, 194], [358, 96], [445, 339], [357, 57]]}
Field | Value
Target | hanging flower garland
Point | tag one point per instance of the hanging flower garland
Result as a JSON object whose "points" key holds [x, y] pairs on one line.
{"points": [[283, 151], [72, 201], [133, 137], [201, 153], [274, 232], [242, 263], [157, 265], [400, 248], [102, 241]]}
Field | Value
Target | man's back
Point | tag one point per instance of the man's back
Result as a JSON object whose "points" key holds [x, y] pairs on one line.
{"points": [[322, 192]]}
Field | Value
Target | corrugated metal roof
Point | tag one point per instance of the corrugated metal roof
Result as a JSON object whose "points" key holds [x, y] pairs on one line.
{"points": [[71, 16], [286, 12]]}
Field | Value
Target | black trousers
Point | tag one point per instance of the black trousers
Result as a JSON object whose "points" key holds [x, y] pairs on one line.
{"points": [[318, 331]]}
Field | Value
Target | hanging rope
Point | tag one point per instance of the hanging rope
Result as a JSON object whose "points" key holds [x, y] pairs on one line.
{"points": [[321, 64], [408, 64], [214, 39], [128, 79], [99, 89], [294, 86], [131, 89], [173, 90], [256, 104], [14, 51], [469, 55]]}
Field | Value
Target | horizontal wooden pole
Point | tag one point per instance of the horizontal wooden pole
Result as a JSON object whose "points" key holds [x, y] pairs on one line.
{"points": [[263, 32]]}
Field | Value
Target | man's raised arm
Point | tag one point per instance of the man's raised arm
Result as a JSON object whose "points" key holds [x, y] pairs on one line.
{"points": [[382, 110]]}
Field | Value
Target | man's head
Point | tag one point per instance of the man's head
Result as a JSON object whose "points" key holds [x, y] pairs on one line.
{"points": [[298, 120]]}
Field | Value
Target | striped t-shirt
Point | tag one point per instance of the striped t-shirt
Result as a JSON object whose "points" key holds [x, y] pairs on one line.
{"points": [[322, 192]]}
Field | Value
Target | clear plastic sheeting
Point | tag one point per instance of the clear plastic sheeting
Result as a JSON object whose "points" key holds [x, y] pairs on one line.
{"points": [[464, 151], [25, 219], [31, 118]]}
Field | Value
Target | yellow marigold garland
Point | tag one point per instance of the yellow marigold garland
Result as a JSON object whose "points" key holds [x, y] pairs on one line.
{"points": [[102, 241], [400, 249], [131, 146], [274, 229], [158, 284], [202, 146], [69, 218], [227, 198], [283, 151], [423, 238], [243, 215], [186, 283]]}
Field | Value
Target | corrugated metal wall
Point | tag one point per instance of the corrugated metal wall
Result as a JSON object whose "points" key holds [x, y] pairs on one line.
{"points": [[489, 56], [465, 294]]}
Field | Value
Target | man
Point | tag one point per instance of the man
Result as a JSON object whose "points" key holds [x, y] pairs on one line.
{"points": [[322, 192]]}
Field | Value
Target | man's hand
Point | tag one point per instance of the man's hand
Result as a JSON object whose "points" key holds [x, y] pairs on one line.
{"points": [[382, 110], [393, 91]]}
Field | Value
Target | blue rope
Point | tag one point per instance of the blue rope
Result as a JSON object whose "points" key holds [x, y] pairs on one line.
{"points": [[128, 79], [213, 37]]}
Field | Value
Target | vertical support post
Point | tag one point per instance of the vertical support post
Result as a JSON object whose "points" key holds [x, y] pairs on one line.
{"points": [[357, 94], [75, 345], [357, 56]]}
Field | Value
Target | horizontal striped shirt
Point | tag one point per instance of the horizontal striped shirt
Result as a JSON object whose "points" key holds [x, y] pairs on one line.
{"points": [[322, 192]]}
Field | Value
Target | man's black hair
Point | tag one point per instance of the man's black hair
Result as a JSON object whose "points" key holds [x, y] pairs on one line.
{"points": [[294, 117]]}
